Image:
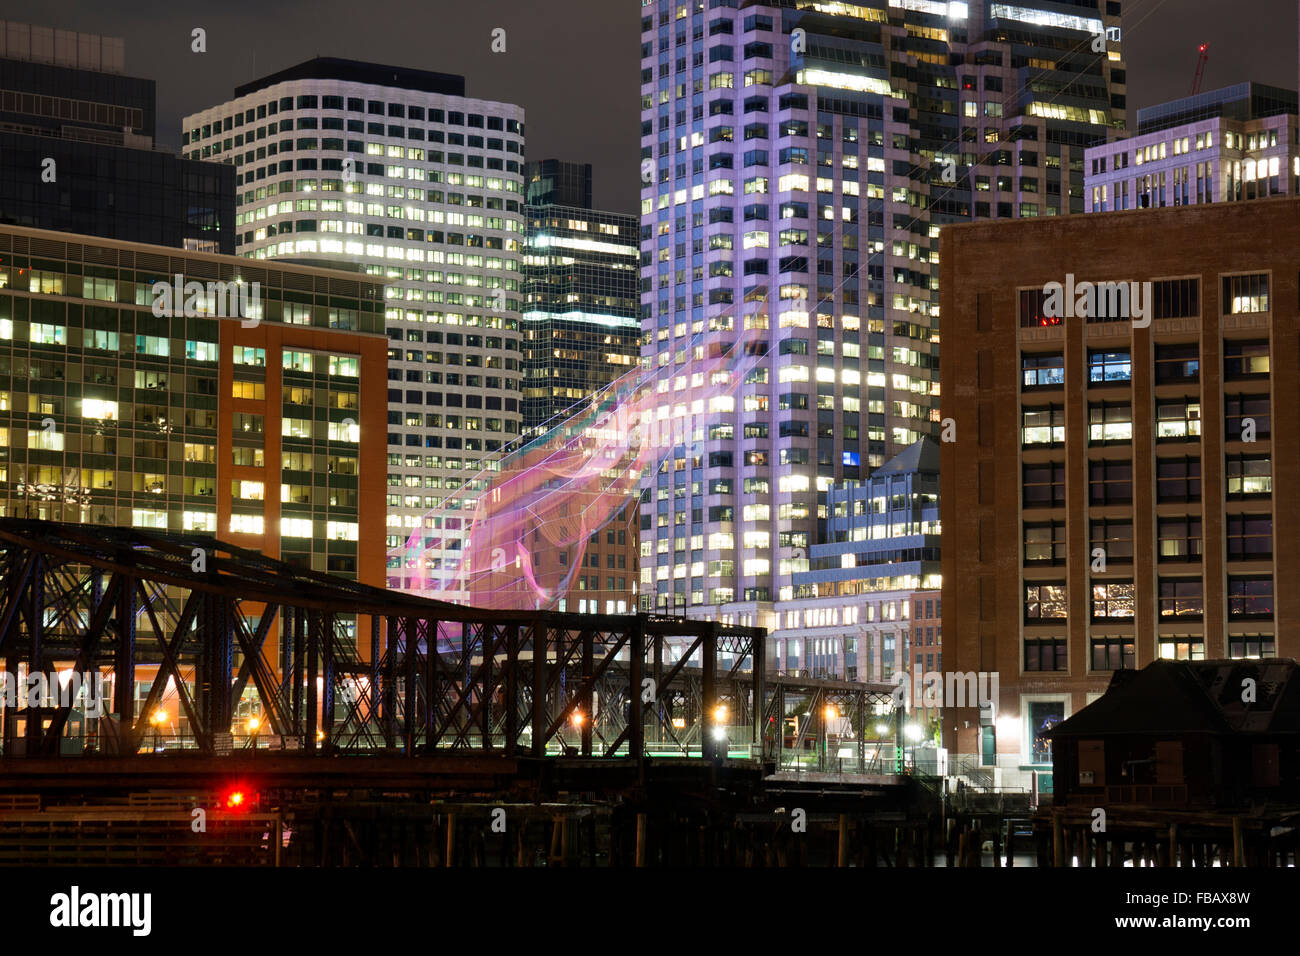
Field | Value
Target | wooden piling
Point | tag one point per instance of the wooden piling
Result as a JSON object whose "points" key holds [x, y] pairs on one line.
{"points": [[449, 858]]}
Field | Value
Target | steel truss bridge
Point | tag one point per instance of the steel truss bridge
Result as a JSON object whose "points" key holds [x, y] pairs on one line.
{"points": [[390, 726], [344, 668]]}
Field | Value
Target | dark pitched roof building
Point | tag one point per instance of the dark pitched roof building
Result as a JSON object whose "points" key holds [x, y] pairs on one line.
{"points": [[1196, 734]]}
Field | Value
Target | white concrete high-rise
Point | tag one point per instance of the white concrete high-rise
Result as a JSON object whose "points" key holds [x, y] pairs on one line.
{"points": [[396, 173]]}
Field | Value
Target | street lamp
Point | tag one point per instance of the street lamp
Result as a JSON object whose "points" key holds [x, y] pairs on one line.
{"points": [[829, 713], [252, 726], [719, 732], [914, 735], [157, 718]]}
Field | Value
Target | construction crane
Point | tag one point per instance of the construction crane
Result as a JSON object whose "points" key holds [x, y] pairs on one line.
{"points": [[1204, 50]]}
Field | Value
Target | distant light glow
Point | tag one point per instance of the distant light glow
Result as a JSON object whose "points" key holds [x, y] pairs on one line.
{"points": [[938, 8], [1045, 18], [844, 81], [595, 318], [543, 241]]}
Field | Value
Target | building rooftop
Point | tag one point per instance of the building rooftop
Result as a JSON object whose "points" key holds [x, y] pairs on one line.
{"points": [[355, 71], [921, 455], [1158, 221], [555, 182], [1241, 101], [1175, 697], [79, 51]]}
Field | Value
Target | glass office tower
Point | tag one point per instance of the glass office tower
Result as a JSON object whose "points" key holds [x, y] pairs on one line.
{"points": [[77, 137], [581, 325]]}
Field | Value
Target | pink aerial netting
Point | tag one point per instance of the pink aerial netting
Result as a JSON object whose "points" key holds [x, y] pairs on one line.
{"points": [[543, 501]]}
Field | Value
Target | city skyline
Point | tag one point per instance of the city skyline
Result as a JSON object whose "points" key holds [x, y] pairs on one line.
{"points": [[543, 68], [903, 478]]}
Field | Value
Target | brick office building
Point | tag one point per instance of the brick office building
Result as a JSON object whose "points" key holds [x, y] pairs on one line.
{"points": [[1153, 448]]}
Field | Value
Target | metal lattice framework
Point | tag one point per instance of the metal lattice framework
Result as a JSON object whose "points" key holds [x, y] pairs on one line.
{"points": [[341, 666], [820, 710]]}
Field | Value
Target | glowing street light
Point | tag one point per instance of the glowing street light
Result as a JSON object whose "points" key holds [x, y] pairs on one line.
{"points": [[578, 719], [158, 718], [829, 712], [720, 714]]}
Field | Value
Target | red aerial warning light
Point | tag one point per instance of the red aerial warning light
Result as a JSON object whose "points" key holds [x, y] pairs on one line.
{"points": [[237, 799]]}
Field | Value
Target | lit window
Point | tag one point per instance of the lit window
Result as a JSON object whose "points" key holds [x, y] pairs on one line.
{"points": [[97, 408], [252, 490], [342, 530], [348, 431], [345, 365], [296, 527], [199, 521], [46, 439], [246, 524], [148, 518], [42, 334]]}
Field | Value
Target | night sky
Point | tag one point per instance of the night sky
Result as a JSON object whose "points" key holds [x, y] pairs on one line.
{"points": [[573, 64]]}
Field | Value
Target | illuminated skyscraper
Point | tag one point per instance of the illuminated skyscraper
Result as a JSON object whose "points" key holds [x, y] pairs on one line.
{"points": [[798, 159]]}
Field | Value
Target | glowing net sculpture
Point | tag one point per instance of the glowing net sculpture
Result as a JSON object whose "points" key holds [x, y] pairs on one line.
{"points": [[544, 500]]}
